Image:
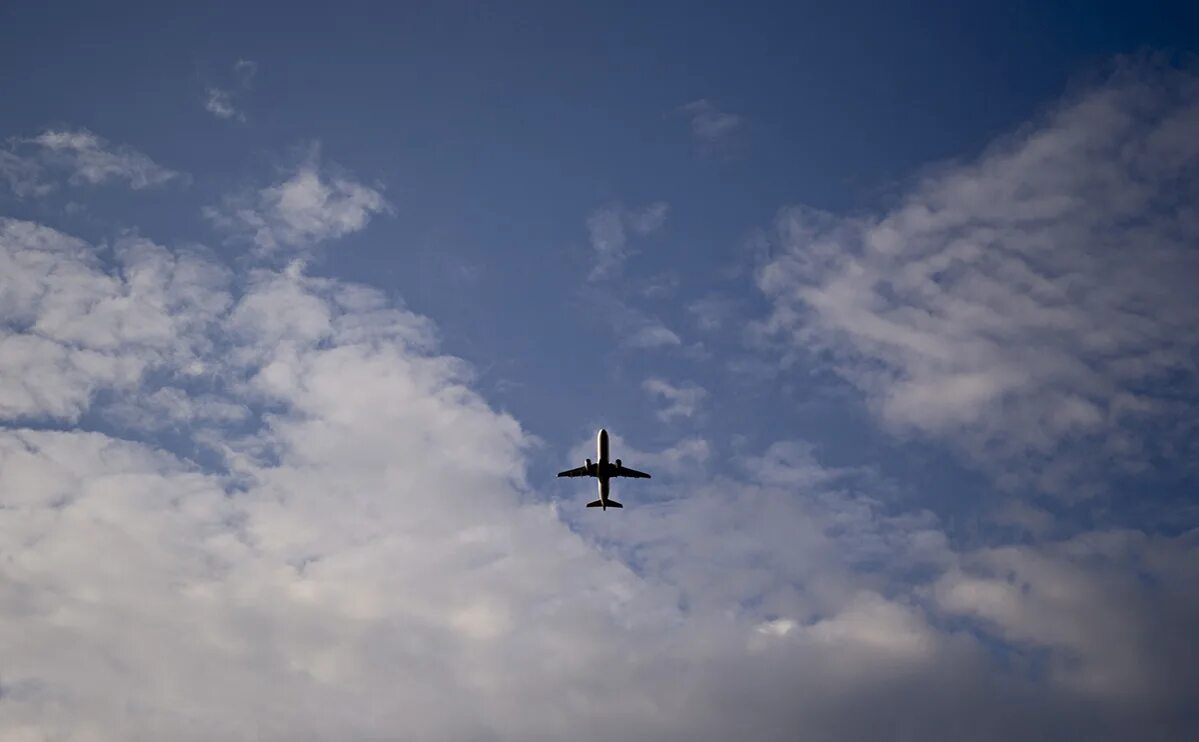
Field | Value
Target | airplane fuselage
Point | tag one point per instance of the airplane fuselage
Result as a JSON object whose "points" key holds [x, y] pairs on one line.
{"points": [[601, 465]]}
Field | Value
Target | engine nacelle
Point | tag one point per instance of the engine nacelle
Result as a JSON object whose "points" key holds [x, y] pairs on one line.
{"points": [[618, 462], [589, 466]]}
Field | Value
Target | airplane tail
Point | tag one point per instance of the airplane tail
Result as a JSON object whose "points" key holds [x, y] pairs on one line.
{"points": [[600, 503]]}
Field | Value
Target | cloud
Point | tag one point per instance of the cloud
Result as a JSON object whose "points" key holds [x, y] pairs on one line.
{"points": [[633, 327], [219, 101], [711, 128], [69, 327], [31, 166], [1111, 605], [307, 208], [712, 312], [681, 401], [364, 554], [608, 229], [220, 104], [93, 161], [1036, 304], [25, 175], [245, 70]]}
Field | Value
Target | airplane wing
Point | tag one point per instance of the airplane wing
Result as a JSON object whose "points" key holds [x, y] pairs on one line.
{"points": [[580, 472], [624, 471]]}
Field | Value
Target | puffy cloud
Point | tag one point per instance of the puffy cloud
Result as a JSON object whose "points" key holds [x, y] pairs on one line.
{"points": [[70, 327], [368, 561], [608, 229], [307, 208], [363, 556], [681, 401], [1033, 304]]}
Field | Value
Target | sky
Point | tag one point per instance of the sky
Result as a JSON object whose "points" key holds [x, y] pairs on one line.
{"points": [[303, 308]]}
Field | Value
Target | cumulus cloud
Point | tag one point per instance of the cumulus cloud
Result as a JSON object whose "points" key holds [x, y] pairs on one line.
{"points": [[308, 207], [608, 229], [1037, 303], [34, 166], [681, 401], [367, 558], [70, 327], [711, 128]]}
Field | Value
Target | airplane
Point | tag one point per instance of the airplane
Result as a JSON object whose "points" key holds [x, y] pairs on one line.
{"points": [[603, 471]]}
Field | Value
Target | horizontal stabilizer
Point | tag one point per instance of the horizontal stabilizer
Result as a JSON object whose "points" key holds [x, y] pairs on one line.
{"points": [[600, 503]]}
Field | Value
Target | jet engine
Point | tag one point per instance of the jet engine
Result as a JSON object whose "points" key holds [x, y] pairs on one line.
{"points": [[618, 463], [588, 465]]}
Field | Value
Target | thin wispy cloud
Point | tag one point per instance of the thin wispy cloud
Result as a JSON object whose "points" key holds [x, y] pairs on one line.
{"points": [[713, 312], [220, 104], [682, 400], [38, 165], [219, 101], [712, 129], [1034, 302], [609, 229]]}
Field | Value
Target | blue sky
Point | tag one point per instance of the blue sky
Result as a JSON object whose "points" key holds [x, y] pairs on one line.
{"points": [[304, 308]]}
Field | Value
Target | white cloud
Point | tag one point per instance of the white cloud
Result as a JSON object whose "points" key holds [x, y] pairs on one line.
{"points": [[652, 334], [219, 101], [69, 327], [25, 175], [220, 104], [307, 208], [681, 401], [370, 559], [1111, 605], [608, 229], [711, 128], [31, 165], [94, 161], [633, 327], [245, 70], [1032, 302]]}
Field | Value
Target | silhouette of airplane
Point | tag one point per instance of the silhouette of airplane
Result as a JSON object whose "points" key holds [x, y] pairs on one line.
{"points": [[603, 471]]}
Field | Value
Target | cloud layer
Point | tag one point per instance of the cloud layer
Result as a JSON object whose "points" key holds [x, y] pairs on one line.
{"points": [[1030, 304], [265, 505], [362, 558]]}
